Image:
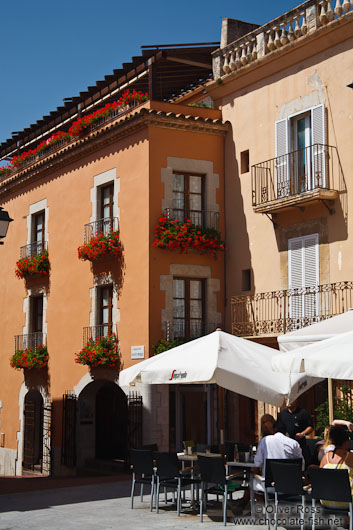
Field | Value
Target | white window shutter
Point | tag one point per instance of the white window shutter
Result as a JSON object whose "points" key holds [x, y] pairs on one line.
{"points": [[295, 276], [318, 140], [311, 277], [281, 132]]}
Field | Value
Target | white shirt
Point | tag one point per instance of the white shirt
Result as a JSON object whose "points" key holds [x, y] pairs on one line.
{"points": [[276, 446]]}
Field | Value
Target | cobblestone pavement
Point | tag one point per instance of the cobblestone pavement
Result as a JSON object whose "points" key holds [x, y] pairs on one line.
{"points": [[98, 506]]}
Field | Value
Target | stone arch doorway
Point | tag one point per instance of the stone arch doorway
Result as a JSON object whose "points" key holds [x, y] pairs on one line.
{"points": [[102, 423], [33, 431]]}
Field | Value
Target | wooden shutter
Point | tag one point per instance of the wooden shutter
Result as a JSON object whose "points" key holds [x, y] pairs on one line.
{"points": [[318, 134], [295, 276], [303, 272], [281, 132], [311, 275]]}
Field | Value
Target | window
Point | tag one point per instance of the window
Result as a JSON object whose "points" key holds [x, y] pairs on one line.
{"points": [[38, 232], [246, 280], [303, 271], [105, 310], [106, 208], [188, 307], [188, 197], [244, 161], [300, 152], [35, 336]]}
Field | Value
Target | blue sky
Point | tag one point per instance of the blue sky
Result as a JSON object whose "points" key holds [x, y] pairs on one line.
{"points": [[53, 50]]}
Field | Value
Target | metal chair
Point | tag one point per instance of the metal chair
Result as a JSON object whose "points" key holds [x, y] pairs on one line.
{"points": [[212, 471], [169, 476], [288, 482], [142, 465], [331, 485]]}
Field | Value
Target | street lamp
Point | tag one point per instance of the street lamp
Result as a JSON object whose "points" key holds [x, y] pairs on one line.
{"points": [[5, 220]]}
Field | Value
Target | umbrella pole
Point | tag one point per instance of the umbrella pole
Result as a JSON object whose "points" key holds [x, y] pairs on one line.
{"points": [[330, 401], [221, 417]]}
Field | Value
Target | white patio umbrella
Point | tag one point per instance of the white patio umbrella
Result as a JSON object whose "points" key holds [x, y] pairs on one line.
{"points": [[233, 363], [331, 358]]}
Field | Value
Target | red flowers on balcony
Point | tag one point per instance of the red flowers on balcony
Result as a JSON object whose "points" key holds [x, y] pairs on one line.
{"points": [[81, 125], [104, 351], [176, 235], [78, 128], [30, 358], [36, 264], [101, 246]]}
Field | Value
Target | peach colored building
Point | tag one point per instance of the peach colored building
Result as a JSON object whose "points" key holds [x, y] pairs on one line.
{"points": [[120, 175], [286, 90]]}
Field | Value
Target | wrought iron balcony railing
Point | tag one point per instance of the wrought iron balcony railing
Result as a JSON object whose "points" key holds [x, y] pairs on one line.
{"points": [[94, 332], [202, 218], [316, 167], [102, 226], [277, 312], [33, 249], [30, 340], [180, 329]]}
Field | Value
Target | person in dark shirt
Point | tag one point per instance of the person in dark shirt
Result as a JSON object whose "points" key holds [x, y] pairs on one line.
{"points": [[298, 425], [296, 420]]}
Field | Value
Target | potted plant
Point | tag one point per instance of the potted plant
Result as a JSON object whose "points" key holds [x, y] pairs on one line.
{"points": [[30, 358], [36, 264], [101, 246], [104, 351]]}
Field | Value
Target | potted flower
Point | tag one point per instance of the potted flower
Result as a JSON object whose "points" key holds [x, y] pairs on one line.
{"points": [[101, 246], [164, 345], [176, 235], [104, 351], [31, 358], [36, 264]]}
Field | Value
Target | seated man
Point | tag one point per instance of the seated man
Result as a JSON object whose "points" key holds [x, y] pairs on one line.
{"points": [[276, 445]]}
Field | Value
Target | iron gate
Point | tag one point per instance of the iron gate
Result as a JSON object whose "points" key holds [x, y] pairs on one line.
{"points": [[68, 445], [29, 435], [46, 460], [134, 401]]}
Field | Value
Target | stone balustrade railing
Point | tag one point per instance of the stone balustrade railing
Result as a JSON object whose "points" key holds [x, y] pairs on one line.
{"points": [[281, 31]]}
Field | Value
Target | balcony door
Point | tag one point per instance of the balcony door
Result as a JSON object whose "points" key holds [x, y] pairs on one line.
{"points": [[303, 280], [105, 310], [300, 152], [188, 307], [38, 231], [106, 209], [35, 337], [188, 198]]}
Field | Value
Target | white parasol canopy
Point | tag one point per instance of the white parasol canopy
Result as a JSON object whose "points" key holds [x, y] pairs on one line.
{"points": [[316, 332], [331, 358], [233, 363]]}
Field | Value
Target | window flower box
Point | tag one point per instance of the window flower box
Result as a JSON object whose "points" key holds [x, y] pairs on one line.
{"points": [[30, 358], [104, 351], [32, 265], [176, 235], [101, 246]]}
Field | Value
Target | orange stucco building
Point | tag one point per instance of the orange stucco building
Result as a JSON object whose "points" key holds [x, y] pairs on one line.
{"points": [[123, 173]]}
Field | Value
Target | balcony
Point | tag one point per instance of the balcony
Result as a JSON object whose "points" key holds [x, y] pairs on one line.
{"points": [[102, 226], [297, 178], [31, 340], [277, 312], [33, 249], [92, 333], [179, 329], [202, 218]]}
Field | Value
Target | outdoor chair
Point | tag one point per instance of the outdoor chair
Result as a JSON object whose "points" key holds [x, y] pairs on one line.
{"points": [[213, 472], [288, 485], [142, 465], [169, 476], [268, 480], [331, 485]]}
